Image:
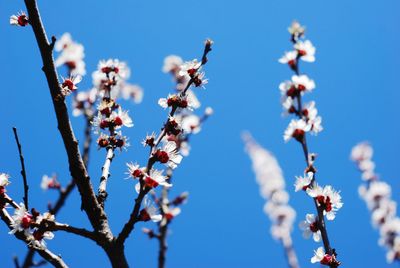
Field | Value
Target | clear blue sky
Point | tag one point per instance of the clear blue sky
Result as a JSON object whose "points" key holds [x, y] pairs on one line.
{"points": [[223, 225]]}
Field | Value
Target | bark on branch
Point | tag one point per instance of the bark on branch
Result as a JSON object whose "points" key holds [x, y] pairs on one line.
{"points": [[96, 214]]}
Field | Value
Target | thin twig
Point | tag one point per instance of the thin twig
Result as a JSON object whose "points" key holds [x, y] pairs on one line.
{"points": [[16, 262], [23, 170]]}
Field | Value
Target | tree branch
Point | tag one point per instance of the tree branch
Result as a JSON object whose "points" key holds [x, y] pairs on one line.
{"points": [[23, 171], [72, 230], [102, 193], [129, 226], [94, 211]]}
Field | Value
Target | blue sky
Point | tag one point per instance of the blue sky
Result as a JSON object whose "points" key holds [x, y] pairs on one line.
{"points": [[222, 225]]}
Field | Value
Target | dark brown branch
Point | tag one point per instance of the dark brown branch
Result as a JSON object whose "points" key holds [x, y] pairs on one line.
{"points": [[23, 170], [129, 226], [94, 211], [72, 230], [162, 230], [49, 256], [16, 262], [64, 193], [29, 259]]}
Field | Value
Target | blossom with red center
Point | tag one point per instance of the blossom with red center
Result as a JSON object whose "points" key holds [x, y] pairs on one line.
{"points": [[121, 118], [199, 80], [296, 129], [327, 198], [40, 236], [189, 68], [134, 170], [114, 67], [21, 19], [324, 259], [149, 140], [49, 182], [107, 106], [302, 183], [173, 126], [168, 155], [103, 141], [69, 84], [289, 58], [154, 179], [310, 227], [176, 101], [302, 83], [21, 219], [149, 212], [180, 199], [305, 50], [288, 89], [169, 214]]}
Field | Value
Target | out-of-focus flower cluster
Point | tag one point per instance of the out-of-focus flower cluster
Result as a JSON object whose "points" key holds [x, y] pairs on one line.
{"points": [[272, 188], [327, 199], [377, 196]]}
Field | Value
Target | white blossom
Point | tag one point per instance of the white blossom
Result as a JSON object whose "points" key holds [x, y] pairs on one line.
{"points": [[306, 50]]}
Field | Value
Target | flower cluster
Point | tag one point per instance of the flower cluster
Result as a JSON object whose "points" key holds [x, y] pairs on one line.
{"points": [[33, 225], [327, 200], [109, 77], [272, 188], [185, 122], [113, 74], [169, 146], [293, 90], [377, 196]]}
